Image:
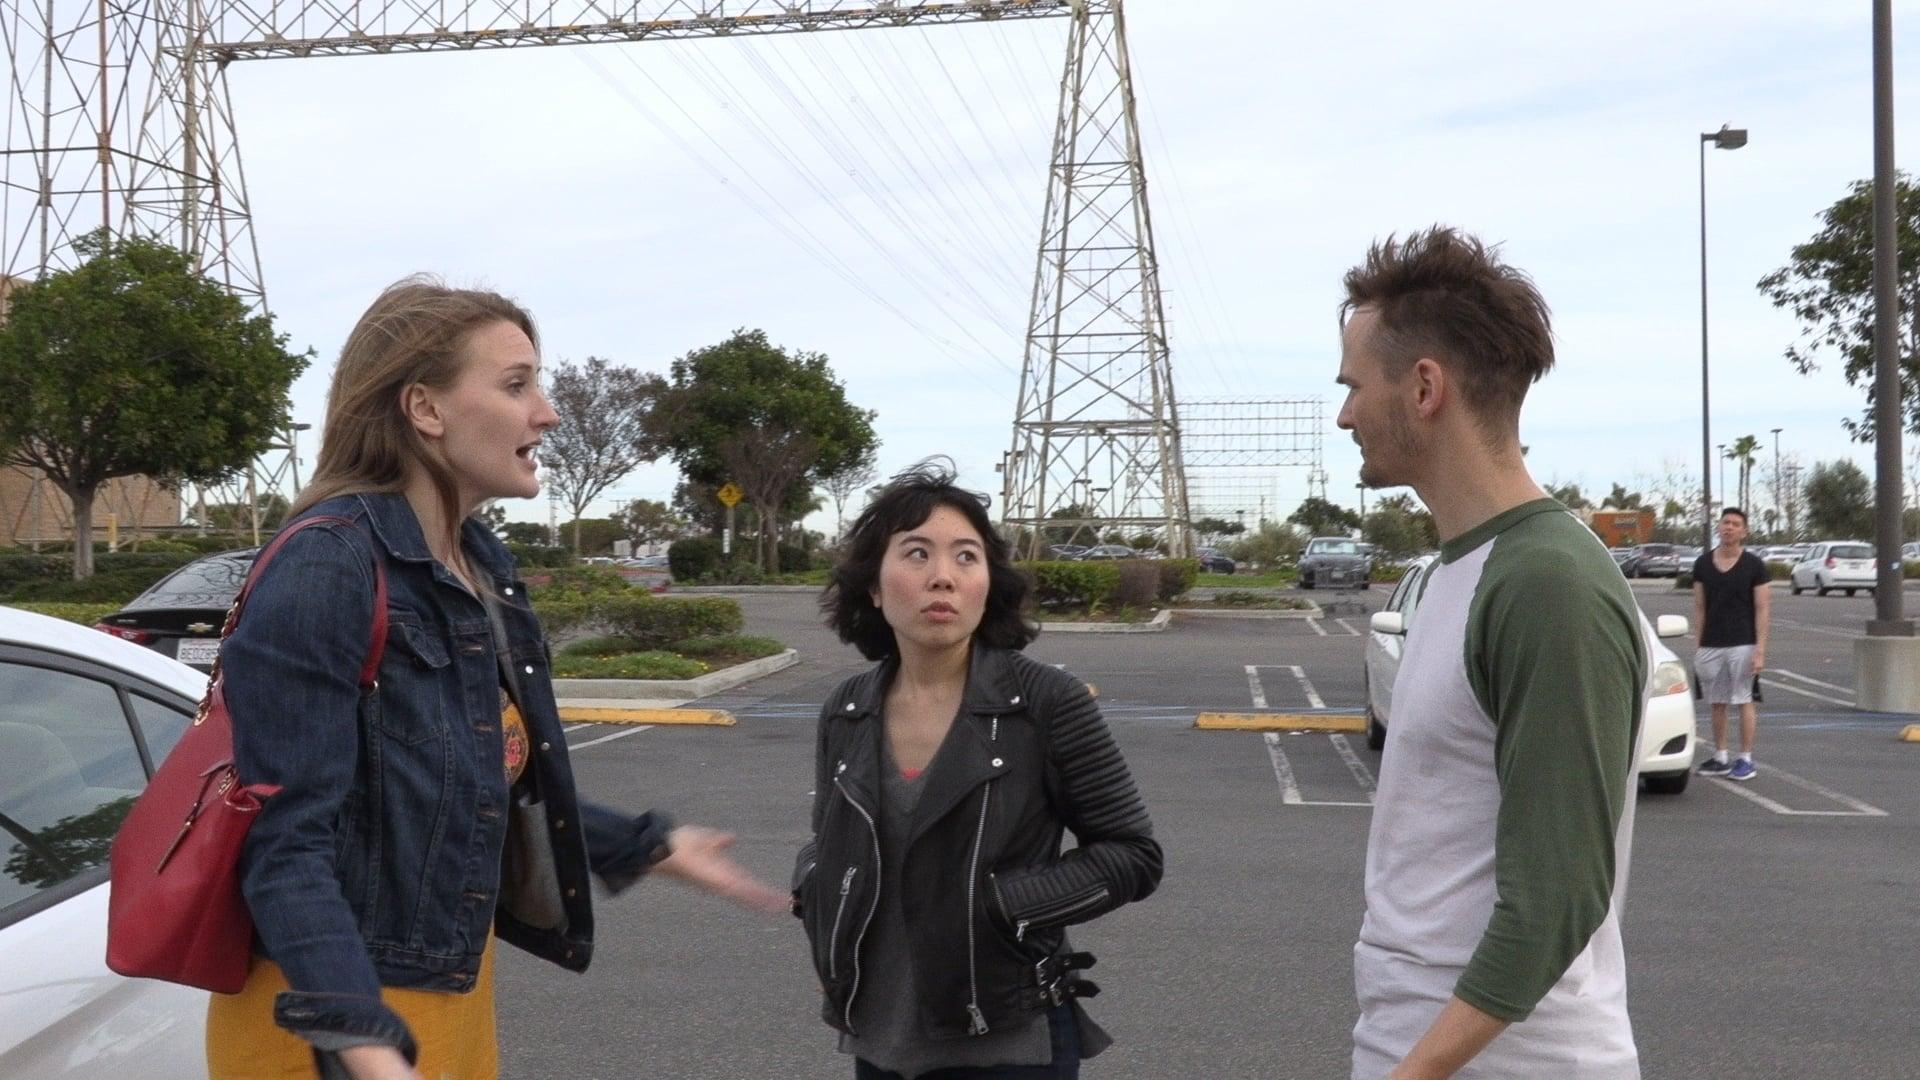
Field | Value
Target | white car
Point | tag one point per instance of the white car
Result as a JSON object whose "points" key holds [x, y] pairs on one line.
{"points": [[1835, 564], [85, 718], [1666, 733]]}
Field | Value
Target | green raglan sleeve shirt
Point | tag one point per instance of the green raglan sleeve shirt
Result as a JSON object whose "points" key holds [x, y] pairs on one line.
{"points": [[1556, 657]]}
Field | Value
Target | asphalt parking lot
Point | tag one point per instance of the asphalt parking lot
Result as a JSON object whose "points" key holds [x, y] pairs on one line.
{"points": [[1769, 927]]}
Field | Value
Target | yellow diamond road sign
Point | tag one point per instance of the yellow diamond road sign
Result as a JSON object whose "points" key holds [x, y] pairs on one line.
{"points": [[730, 494]]}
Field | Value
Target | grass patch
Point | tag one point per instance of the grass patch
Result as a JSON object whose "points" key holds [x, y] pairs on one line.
{"points": [[84, 614], [805, 577], [640, 665], [1080, 615], [1247, 600], [727, 650], [1268, 580]]}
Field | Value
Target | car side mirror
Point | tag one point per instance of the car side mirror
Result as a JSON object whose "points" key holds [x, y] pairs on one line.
{"points": [[1389, 622], [1671, 626]]}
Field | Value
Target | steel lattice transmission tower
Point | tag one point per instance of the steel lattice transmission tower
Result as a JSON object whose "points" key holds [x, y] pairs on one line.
{"points": [[1096, 432], [120, 118]]}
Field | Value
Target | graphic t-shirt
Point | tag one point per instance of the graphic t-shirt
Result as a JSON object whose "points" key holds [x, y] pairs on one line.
{"points": [[1730, 618]]}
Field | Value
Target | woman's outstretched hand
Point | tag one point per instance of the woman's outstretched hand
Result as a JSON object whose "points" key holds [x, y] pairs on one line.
{"points": [[698, 857]]}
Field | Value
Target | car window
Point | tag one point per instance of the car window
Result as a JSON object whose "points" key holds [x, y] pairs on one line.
{"points": [[69, 771], [1850, 551], [211, 582], [1409, 595], [161, 725], [1333, 547]]}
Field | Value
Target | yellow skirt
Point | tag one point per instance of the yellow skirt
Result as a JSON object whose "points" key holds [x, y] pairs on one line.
{"points": [[455, 1032]]}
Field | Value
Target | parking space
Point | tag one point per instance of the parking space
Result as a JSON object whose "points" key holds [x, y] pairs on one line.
{"points": [[1758, 923]]}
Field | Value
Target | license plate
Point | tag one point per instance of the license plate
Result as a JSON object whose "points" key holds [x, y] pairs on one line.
{"points": [[197, 650]]}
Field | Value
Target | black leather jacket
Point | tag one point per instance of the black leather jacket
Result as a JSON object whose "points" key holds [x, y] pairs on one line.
{"points": [[987, 890]]}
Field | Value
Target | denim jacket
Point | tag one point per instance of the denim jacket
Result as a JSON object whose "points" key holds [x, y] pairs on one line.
{"points": [[379, 862]]}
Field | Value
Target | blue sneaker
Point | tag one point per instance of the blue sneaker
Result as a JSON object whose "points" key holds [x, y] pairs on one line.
{"points": [[1742, 770], [1713, 767]]}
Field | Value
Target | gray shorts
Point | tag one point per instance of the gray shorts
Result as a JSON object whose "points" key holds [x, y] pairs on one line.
{"points": [[1725, 674]]}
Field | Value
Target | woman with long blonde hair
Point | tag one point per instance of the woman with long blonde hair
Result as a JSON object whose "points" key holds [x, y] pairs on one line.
{"points": [[419, 820]]}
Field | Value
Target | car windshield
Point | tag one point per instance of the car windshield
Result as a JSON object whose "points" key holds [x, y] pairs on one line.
{"points": [[1655, 549], [207, 583], [1333, 547], [1851, 551]]}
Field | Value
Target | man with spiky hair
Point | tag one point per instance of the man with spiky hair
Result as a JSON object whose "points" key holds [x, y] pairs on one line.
{"points": [[1497, 856]]}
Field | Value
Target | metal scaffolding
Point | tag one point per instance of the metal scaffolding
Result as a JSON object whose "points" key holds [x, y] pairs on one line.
{"points": [[1096, 431]]}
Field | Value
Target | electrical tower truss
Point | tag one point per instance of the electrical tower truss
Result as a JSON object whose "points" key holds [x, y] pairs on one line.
{"points": [[121, 119]]}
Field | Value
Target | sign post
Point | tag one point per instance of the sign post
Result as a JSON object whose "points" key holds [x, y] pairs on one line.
{"points": [[729, 496]]}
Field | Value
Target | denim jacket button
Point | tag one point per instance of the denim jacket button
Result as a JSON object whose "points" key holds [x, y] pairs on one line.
{"points": [[529, 669], [559, 823], [508, 590], [571, 893], [546, 746]]}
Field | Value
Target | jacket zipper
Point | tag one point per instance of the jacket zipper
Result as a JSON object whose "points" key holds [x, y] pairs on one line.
{"points": [[833, 939], [1062, 911], [977, 1020], [873, 831]]}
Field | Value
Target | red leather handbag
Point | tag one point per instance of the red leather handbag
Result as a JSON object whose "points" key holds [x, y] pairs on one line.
{"points": [[174, 909]]}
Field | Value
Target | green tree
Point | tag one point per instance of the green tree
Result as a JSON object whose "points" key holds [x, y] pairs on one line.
{"points": [[649, 521], [607, 428], [1322, 518], [1839, 501], [1742, 453], [1828, 286], [855, 477], [1399, 526], [526, 532], [771, 421], [1622, 499], [1212, 528], [592, 536], [493, 516], [133, 363], [1271, 545], [1569, 496]]}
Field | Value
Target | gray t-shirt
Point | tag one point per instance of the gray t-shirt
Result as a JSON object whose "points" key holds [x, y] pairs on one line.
{"points": [[883, 1013]]}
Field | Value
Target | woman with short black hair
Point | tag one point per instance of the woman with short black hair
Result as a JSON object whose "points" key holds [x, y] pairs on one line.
{"points": [[934, 891]]}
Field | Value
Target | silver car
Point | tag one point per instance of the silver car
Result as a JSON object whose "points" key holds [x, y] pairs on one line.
{"points": [[1335, 561], [88, 717]]}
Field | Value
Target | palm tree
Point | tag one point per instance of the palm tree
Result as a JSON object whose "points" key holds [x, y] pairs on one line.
{"points": [[1621, 499], [1742, 451]]}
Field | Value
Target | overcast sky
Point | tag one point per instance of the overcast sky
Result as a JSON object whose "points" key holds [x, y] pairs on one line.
{"points": [[876, 196]]}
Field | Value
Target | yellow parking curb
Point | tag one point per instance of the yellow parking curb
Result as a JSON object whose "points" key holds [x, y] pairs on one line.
{"points": [[1910, 733], [578, 715], [1226, 721]]}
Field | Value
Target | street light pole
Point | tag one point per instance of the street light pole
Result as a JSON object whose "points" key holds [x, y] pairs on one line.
{"points": [[1888, 601], [1722, 448], [1727, 138], [1780, 511]]}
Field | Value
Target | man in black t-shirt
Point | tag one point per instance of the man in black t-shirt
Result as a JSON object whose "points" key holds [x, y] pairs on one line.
{"points": [[1732, 598]]}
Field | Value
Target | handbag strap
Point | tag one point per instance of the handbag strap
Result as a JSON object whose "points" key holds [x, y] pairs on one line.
{"points": [[377, 639]]}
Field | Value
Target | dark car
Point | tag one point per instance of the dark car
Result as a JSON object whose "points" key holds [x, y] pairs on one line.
{"points": [[1212, 562], [1335, 561], [1656, 560], [181, 614]]}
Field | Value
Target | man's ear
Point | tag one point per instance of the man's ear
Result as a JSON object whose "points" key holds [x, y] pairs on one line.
{"points": [[422, 411], [1431, 390]]}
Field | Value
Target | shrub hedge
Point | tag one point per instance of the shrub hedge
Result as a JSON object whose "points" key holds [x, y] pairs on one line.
{"points": [[693, 558], [84, 614], [650, 622], [1073, 584]]}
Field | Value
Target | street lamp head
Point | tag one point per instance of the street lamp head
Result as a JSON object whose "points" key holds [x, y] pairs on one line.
{"points": [[1727, 138]]}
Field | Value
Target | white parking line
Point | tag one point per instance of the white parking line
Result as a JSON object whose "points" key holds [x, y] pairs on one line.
{"points": [[1792, 689], [621, 734], [1862, 808], [1313, 698], [1317, 628], [1348, 627], [574, 727], [1361, 774], [1811, 682], [1253, 684], [1283, 771], [1859, 809], [1289, 787], [1829, 631]]}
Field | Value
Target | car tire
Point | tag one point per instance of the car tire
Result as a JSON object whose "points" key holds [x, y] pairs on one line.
{"points": [[1794, 587], [1376, 731], [1306, 581], [1672, 783], [1849, 592]]}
